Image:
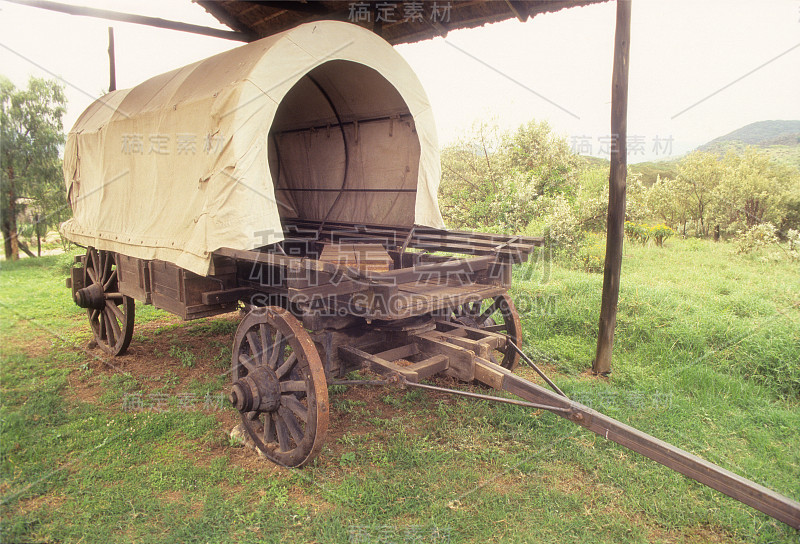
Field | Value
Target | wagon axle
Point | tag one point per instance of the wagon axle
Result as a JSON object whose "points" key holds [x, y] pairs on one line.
{"points": [[91, 297], [258, 391]]}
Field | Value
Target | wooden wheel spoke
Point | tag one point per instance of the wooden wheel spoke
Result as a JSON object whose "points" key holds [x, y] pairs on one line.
{"points": [[95, 261], [263, 335], [495, 328], [283, 435], [111, 278], [276, 351], [293, 386], [91, 274], [297, 408], [292, 424], [269, 429], [255, 346], [246, 362], [112, 320], [109, 332], [101, 325], [487, 313], [286, 366], [116, 311]]}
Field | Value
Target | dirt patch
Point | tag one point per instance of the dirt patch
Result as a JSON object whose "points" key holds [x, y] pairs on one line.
{"points": [[28, 340], [194, 349], [315, 503], [166, 354], [33, 504]]}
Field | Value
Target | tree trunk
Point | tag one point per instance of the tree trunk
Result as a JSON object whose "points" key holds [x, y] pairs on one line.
{"points": [[616, 190], [6, 228], [12, 216], [25, 249]]}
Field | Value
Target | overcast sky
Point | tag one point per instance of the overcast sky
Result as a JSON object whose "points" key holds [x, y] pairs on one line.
{"points": [[556, 67]]}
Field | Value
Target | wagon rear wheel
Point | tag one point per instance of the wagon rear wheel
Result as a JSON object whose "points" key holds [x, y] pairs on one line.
{"points": [[279, 386], [110, 312], [496, 314]]}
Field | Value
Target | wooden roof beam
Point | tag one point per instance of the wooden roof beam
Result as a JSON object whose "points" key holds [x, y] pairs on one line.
{"points": [[135, 19], [518, 9]]}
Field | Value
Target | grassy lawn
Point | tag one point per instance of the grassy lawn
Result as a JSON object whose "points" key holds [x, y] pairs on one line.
{"points": [[707, 358]]}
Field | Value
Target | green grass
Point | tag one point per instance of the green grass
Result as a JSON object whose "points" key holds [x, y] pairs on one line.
{"points": [[707, 357]]}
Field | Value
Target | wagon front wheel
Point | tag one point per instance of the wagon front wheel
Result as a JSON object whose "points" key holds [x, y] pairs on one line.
{"points": [[496, 314], [110, 312], [279, 386]]}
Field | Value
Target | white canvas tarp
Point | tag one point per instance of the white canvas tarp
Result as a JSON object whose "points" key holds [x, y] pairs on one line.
{"points": [[325, 121]]}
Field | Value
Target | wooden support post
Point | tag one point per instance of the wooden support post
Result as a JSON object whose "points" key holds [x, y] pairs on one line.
{"points": [[616, 193], [112, 62], [37, 218]]}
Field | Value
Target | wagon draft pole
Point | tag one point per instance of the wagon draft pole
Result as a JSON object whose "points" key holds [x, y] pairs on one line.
{"points": [[616, 191], [330, 279]]}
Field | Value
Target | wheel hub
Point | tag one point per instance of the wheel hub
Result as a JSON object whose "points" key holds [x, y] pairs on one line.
{"points": [[258, 391], [90, 297]]}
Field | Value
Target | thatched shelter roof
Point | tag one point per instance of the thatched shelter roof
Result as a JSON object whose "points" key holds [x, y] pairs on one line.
{"points": [[401, 21]]}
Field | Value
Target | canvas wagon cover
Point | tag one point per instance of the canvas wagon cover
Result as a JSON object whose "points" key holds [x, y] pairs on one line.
{"points": [[181, 165]]}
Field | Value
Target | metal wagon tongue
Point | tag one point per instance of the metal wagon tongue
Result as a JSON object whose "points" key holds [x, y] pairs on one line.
{"points": [[461, 352]]}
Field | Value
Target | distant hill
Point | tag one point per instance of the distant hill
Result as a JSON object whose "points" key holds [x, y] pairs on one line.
{"points": [[780, 139], [762, 133]]}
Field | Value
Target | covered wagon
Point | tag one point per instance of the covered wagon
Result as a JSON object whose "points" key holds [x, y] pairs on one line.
{"points": [[294, 177]]}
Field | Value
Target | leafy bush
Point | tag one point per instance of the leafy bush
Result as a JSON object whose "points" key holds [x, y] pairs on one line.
{"points": [[591, 256], [562, 228], [756, 237], [637, 232], [793, 237], [494, 181], [659, 233]]}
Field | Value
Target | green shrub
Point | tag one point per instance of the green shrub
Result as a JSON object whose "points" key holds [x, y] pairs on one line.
{"points": [[637, 232], [659, 233], [756, 237], [591, 256], [183, 355], [793, 237]]}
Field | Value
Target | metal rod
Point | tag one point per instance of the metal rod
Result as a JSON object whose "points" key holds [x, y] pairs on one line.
{"points": [[487, 397], [364, 121], [348, 383], [537, 369]]}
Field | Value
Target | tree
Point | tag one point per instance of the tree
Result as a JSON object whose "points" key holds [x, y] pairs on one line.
{"points": [[545, 159], [470, 178], [754, 190], [499, 181], [30, 168], [699, 174], [669, 203]]}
